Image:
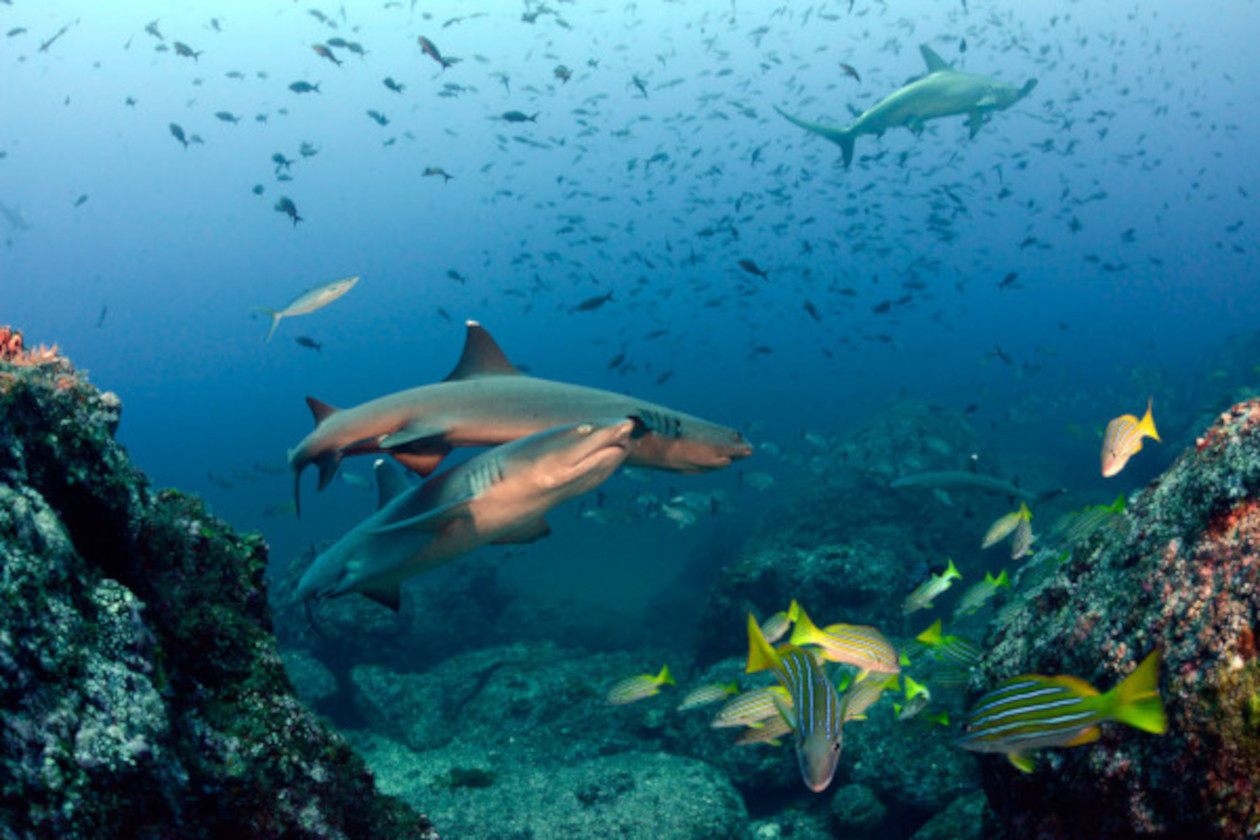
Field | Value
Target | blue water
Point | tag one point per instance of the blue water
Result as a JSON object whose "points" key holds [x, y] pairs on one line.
{"points": [[1143, 121]]}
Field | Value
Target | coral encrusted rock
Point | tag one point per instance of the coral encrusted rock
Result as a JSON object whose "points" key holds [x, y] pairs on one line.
{"points": [[141, 693], [1183, 576]]}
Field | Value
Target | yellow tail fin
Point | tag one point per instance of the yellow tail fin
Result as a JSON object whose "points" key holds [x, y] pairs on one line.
{"points": [[1136, 699], [760, 655], [1147, 424], [804, 631]]}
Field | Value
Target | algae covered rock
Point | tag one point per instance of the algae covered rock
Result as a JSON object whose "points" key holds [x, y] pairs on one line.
{"points": [[1184, 576], [141, 694]]}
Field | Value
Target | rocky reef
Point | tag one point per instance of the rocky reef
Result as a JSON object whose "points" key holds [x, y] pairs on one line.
{"points": [[141, 691], [1182, 576]]}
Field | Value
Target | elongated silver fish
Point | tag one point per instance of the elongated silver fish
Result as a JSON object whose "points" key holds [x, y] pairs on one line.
{"points": [[316, 297]]}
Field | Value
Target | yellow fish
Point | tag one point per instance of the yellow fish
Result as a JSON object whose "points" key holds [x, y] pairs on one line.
{"points": [[1124, 439], [638, 687]]}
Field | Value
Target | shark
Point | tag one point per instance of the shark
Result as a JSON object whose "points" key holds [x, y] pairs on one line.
{"points": [[497, 496], [486, 401], [943, 92], [968, 480]]}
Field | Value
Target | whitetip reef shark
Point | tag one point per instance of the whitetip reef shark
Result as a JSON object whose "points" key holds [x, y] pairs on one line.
{"points": [[497, 496], [970, 480], [486, 401], [943, 92]]}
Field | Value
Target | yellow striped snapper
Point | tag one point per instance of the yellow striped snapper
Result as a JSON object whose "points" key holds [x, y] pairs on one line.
{"points": [[817, 713], [1123, 439], [1034, 711], [706, 694], [851, 644], [925, 593], [864, 691], [769, 733], [752, 708], [1018, 522], [917, 698], [776, 626], [951, 650], [638, 687], [1081, 524], [978, 594]]}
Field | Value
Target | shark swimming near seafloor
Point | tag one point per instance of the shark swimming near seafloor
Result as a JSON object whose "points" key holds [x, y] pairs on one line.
{"points": [[497, 496], [486, 401], [943, 92]]}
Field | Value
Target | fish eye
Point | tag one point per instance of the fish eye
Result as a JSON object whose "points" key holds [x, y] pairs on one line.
{"points": [[835, 747], [585, 429]]}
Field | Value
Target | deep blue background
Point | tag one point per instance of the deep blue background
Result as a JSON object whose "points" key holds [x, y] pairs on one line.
{"points": [[1144, 120]]}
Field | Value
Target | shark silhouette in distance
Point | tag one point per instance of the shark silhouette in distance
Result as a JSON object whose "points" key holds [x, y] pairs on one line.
{"points": [[486, 401], [497, 496], [943, 92]]}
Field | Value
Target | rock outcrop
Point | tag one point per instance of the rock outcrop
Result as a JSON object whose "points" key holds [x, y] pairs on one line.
{"points": [[1183, 576], [141, 692]]}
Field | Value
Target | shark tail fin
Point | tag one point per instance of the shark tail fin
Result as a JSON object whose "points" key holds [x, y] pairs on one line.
{"points": [[297, 488], [275, 321], [1026, 89], [837, 134]]}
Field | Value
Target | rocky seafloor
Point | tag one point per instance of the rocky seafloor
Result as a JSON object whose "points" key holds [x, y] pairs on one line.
{"points": [[141, 693]]}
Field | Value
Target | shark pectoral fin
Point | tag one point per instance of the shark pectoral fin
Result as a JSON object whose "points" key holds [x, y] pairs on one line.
{"points": [[481, 357], [534, 529], [327, 463], [389, 482], [415, 435], [387, 595], [430, 520], [974, 123], [934, 62], [915, 125], [422, 463]]}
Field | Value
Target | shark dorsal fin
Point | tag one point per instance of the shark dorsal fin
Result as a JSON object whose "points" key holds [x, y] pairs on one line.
{"points": [[389, 482], [319, 409], [481, 357], [934, 62]]}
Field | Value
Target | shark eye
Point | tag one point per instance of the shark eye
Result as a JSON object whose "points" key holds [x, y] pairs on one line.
{"points": [[585, 429]]}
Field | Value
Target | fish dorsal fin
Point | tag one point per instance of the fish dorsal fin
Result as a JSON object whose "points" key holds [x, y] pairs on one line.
{"points": [[481, 357], [934, 62], [389, 482], [320, 410]]}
